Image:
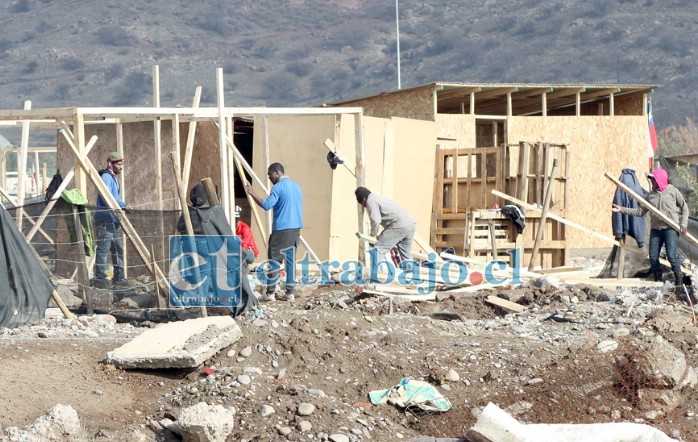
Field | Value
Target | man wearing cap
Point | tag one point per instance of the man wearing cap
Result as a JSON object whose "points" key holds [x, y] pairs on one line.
{"points": [[108, 227], [668, 200], [286, 199], [398, 225]]}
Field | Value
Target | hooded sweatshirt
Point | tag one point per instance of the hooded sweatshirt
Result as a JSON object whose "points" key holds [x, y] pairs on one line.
{"points": [[667, 199]]}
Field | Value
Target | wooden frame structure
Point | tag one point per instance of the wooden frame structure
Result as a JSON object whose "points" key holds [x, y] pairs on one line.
{"points": [[463, 201], [74, 122]]}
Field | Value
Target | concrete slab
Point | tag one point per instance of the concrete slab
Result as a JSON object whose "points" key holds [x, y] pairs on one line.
{"points": [[185, 344]]}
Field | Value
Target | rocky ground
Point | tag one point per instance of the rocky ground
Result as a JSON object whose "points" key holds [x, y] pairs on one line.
{"points": [[303, 371]]}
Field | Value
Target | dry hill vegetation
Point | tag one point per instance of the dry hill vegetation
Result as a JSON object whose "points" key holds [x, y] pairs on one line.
{"points": [[306, 52]]}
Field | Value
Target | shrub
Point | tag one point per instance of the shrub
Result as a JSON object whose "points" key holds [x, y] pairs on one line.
{"points": [[115, 36], [72, 64], [20, 6], [30, 68], [298, 68]]}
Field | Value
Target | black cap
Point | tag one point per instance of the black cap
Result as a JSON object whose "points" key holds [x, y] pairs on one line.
{"points": [[361, 193], [333, 159]]}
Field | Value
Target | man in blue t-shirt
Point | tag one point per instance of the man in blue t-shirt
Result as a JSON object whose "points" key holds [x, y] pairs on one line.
{"points": [[286, 199], [108, 228]]}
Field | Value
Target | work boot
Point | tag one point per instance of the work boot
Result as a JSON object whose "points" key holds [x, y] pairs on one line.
{"points": [[678, 278], [101, 284], [658, 277]]}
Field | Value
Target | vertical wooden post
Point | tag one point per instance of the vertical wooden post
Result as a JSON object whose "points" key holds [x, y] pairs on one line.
{"points": [[225, 184], [22, 167], [523, 170], [189, 150], [157, 135], [82, 265], [360, 173], [231, 170], [122, 186], [44, 178], [543, 218], [79, 140], [267, 162]]}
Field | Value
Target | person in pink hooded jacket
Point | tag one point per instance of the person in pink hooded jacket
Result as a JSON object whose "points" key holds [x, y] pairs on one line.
{"points": [[668, 200]]}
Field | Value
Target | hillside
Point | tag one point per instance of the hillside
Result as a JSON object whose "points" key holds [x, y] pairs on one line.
{"points": [[307, 52]]}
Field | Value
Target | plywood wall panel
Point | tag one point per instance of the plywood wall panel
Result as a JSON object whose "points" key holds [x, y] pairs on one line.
{"points": [[596, 145], [297, 143], [455, 131], [413, 172]]}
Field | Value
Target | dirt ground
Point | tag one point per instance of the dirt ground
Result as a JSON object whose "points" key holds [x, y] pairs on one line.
{"points": [[333, 346]]}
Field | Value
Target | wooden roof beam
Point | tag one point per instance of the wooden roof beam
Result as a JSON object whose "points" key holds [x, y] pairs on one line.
{"points": [[601, 93], [458, 93], [550, 105], [497, 92], [564, 92], [528, 93]]}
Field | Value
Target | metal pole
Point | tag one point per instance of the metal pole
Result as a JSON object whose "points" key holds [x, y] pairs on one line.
{"points": [[397, 28]]}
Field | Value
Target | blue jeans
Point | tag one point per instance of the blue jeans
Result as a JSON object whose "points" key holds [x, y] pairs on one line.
{"points": [[109, 240], [670, 239]]}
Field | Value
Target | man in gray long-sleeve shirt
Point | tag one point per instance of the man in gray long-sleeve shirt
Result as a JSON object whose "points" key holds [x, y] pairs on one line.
{"points": [[668, 200], [398, 224]]}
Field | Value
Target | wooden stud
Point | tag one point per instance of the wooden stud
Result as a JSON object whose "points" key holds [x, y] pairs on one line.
{"points": [[543, 217], [267, 162], [22, 167], [225, 183], [191, 134], [210, 190], [360, 174]]}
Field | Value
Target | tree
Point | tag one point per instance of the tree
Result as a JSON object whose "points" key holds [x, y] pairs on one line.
{"points": [[678, 140]]}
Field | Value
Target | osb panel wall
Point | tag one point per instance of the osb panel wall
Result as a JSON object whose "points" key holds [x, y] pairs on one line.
{"points": [[413, 171], [297, 143], [596, 145], [416, 103], [455, 131]]}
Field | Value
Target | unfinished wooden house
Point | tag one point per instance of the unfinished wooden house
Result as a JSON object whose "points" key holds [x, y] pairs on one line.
{"points": [[439, 150], [505, 137]]}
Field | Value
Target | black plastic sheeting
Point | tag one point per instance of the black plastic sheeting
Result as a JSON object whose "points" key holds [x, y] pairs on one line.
{"points": [[25, 289]]}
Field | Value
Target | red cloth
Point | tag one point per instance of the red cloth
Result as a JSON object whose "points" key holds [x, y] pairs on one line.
{"points": [[246, 238], [662, 178]]}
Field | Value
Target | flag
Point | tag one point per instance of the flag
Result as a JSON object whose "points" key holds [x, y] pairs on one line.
{"points": [[652, 139]]}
